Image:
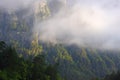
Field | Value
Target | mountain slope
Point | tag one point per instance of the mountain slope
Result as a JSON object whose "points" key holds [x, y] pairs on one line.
{"points": [[80, 63], [75, 63]]}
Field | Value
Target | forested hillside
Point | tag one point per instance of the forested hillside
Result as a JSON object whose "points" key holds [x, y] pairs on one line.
{"points": [[73, 62], [14, 67]]}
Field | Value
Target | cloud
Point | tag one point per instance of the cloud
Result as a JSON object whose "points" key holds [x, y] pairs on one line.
{"points": [[14, 4], [88, 24]]}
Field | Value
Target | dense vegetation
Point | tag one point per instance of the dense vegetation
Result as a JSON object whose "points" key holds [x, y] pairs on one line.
{"points": [[113, 76], [83, 64], [15, 67], [24, 63]]}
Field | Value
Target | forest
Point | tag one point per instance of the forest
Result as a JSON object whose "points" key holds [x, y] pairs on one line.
{"points": [[23, 56], [14, 67]]}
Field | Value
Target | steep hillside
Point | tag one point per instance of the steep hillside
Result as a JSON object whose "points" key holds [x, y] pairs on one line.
{"points": [[80, 63], [75, 63]]}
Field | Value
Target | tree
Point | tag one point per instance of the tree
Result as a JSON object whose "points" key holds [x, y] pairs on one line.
{"points": [[39, 67], [14, 67], [52, 72], [113, 76], [9, 61]]}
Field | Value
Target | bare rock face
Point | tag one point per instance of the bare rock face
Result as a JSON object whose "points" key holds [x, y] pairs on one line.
{"points": [[41, 10]]}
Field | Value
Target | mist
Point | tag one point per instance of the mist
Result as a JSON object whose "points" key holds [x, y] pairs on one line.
{"points": [[93, 24], [14, 4], [86, 23]]}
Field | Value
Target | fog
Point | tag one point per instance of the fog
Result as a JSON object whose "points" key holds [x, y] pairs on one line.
{"points": [[86, 23], [14, 4]]}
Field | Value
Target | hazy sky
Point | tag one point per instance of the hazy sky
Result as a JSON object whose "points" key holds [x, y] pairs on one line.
{"points": [[14, 4]]}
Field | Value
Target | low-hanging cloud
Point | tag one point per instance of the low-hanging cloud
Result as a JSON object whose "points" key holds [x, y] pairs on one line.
{"points": [[89, 24]]}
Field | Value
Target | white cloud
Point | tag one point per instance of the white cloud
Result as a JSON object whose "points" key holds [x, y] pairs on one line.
{"points": [[91, 24]]}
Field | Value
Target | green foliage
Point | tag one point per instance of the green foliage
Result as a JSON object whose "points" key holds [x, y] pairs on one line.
{"points": [[3, 75], [9, 75], [84, 64], [13, 67], [74, 63], [113, 76]]}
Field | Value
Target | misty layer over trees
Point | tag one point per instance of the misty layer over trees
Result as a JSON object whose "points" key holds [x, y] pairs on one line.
{"points": [[59, 39], [85, 24]]}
